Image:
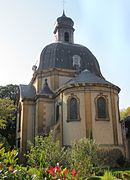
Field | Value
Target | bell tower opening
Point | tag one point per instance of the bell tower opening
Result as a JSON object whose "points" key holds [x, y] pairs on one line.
{"points": [[66, 37]]}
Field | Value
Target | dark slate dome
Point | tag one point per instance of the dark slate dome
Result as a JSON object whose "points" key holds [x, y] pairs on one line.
{"points": [[66, 56]]}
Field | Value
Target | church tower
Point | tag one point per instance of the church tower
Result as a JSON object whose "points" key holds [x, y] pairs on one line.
{"points": [[64, 31], [68, 93]]}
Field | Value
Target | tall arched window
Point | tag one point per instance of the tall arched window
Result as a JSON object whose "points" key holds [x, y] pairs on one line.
{"points": [[66, 37], [57, 113], [73, 109], [101, 107]]}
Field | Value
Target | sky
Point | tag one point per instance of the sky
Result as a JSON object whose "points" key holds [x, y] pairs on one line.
{"points": [[26, 27]]}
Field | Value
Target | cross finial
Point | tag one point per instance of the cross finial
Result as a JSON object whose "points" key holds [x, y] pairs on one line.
{"points": [[63, 4]]}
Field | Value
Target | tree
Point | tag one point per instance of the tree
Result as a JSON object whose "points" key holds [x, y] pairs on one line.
{"points": [[7, 120], [124, 113], [7, 109], [10, 92], [9, 96]]}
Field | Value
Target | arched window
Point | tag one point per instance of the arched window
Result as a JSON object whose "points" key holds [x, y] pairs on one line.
{"points": [[66, 37], [57, 113], [101, 108], [73, 109]]}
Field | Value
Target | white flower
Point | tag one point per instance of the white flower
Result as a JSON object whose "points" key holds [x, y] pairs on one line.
{"points": [[15, 171], [34, 176]]}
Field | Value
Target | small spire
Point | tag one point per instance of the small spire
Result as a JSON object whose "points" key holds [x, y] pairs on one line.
{"points": [[46, 89], [63, 1], [63, 13]]}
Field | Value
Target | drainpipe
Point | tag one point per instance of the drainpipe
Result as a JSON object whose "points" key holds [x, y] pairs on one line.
{"points": [[62, 120]]}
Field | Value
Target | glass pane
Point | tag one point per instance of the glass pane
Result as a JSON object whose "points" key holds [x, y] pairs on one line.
{"points": [[101, 105], [57, 113], [73, 109]]}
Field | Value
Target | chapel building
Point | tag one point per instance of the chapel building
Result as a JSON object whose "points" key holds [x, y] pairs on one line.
{"points": [[69, 95]]}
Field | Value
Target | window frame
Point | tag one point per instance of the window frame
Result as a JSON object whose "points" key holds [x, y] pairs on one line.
{"points": [[107, 110], [69, 119]]}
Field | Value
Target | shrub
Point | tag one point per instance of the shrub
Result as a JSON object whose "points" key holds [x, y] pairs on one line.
{"points": [[4, 142], [111, 157], [83, 157], [46, 152], [9, 169], [122, 174], [108, 176]]}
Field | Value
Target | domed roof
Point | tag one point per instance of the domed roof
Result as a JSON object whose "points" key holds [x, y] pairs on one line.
{"points": [[68, 56], [65, 54], [89, 78], [64, 20]]}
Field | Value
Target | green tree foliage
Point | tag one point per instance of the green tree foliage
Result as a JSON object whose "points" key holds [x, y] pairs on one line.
{"points": [[8, 120], [124, 113], [10, 92], [4, 142], [8, 112]]}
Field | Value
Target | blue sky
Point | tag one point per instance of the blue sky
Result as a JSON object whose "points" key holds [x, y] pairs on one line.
{"points": [[26, 27]]}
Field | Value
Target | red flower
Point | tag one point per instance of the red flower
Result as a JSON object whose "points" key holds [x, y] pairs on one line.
{"points": [[57, 168], [51, 171], [74, 173], [65, 172]]}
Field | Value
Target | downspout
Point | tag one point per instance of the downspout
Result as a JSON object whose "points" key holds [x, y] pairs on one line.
{"points": [[34, 123], [62, 119]]}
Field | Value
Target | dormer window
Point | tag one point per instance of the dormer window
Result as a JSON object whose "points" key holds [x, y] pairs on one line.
{"points": [[66, 37]]}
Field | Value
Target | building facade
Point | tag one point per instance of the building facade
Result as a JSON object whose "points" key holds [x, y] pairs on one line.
{"points": [[68, 94]]}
